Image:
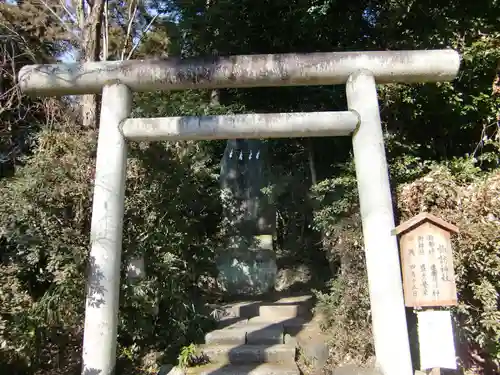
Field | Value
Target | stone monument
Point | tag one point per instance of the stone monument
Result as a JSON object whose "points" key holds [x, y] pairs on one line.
{"points": [[247, 263]]}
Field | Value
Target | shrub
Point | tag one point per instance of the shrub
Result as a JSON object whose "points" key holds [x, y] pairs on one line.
{"points": [[171, 213], [456, 191], [460, 194], [346, 307]]}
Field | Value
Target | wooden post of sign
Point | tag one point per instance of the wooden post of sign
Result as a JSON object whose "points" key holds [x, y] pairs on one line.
{"points": [[429, 281]]}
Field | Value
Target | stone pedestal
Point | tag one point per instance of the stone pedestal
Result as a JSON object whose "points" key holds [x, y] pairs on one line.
{"points": [[247, 267]]}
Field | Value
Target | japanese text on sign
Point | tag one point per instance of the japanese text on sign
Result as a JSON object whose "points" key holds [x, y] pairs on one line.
{"points": [[428, 267]]}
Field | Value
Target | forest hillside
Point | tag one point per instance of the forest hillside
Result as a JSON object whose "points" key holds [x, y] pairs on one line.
{"points": [[442, 142]]}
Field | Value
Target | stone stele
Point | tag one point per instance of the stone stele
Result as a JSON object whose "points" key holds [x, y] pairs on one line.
{"points": [[247, 262]]}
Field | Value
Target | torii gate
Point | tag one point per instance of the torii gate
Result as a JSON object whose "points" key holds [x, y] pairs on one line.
{"points": [[359, 71]]}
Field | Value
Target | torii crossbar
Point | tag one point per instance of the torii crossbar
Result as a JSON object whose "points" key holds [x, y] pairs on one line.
{"points": [[359, 71]]}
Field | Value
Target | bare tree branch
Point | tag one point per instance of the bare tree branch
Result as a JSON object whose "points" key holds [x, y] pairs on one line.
{"points": [[68, 13], [105, 34], [61, 21], [131, 18], [138, 42]]}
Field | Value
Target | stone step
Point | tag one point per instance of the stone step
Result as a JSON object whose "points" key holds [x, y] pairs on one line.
{"points": [[305, 299], [248, 369], [249, 309], [243, 309], [254, 334], [279, 320], [244, 354], [231, 322], [291, 326], [273, 312], [236, 336], [255, 324], [267, 335]]}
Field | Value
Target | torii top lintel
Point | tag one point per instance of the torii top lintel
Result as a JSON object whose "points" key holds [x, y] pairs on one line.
{"points": [[292, 69]]}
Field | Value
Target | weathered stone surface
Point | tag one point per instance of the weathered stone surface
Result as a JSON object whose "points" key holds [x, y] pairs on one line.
{"points": [[268, 335], [244, 173], [238, 354], [165, 369], [250, 369], [259, 326], [170, 370], [247, 265], [303, 299], [250, 309], [275, 311], [284, 321], [247, 271], [249, 339], [226, 336], [288, 277], [231, 322], [354, 370], [242, 309], [310, 341]]}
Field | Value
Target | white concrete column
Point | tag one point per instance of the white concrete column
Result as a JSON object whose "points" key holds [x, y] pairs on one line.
{"points": [[103, 288], [390, 330]]}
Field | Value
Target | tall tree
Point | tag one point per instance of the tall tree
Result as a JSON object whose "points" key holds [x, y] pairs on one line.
{"points": [[90, 20]]}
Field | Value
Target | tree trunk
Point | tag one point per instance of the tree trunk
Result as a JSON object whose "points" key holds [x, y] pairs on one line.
{"points": [[91, 27], [310, 157], [214, 97]]}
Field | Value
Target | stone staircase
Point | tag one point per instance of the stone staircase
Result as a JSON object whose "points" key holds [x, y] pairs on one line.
{"points": [[260, 338]]}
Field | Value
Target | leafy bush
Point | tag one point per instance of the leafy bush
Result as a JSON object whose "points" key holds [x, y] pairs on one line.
{"points": [[171, 218], [458, 192], [470, 200], [346, 307], [44, 223]]}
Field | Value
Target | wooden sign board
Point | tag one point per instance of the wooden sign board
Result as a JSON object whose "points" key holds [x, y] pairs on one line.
{"points": [[427, 261]]}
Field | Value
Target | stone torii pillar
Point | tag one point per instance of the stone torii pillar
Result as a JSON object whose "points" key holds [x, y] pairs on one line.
{"points": [[361, 71]]}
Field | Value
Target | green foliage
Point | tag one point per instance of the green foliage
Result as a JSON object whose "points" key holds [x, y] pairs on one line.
{"points": [[44, 219], [345, 307], [472, 204], [171, 224], [186, 355], [190, 356], [446, 132], [171, 218]]}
